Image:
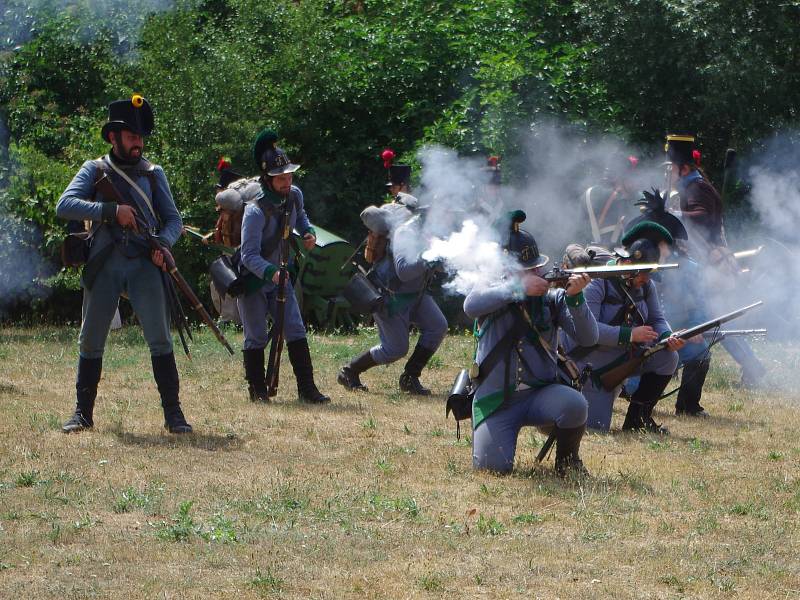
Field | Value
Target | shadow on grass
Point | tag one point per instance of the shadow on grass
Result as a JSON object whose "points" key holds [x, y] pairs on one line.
{"points": [[201, 441]]}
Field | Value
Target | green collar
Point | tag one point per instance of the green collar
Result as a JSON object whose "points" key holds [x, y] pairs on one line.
{"points": [[271, 197]]}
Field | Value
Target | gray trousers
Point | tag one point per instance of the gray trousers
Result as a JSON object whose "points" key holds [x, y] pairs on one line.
{"points": [[601, 402], [393, 331], [141, 280], [494, 441], [253, 311]]}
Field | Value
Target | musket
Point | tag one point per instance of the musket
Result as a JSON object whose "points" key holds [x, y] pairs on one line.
{"points": [[722, 333], [548, 443], [204, 238], [109, 190], [349, 262], [276, 348], [728, 173], [559, 275], [613, 377]]}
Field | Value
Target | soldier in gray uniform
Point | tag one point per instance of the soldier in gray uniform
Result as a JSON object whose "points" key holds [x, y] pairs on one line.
{"points": [[260, 257], [628, 314], [518, 384], [120, 260], [405, 275]]}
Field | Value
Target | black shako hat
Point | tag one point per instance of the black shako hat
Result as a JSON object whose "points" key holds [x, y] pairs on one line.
{"points": [[654, 210], [399, 175], [522, 245], [133, 114], [227, 177], [679, 148], [270, 159]]}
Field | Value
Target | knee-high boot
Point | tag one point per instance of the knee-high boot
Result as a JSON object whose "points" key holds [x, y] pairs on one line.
{"points": [[254, 374], [165, 372], [300, 357], [692, 380], [409, 380], [349, 374], [643, 400], [89, 370], [568, 443]]}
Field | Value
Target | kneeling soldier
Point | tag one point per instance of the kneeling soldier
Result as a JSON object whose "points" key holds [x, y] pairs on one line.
{"points": [[120, 259], [628, 314], [518, 383], [260, 251]]}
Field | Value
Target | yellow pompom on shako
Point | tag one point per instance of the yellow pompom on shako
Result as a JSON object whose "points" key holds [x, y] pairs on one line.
{"points": [[133, 114]]}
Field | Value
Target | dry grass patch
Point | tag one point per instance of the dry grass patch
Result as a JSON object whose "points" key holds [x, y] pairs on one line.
{"points": [[372, 496]]}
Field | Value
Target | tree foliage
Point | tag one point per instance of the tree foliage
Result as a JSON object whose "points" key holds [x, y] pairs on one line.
{"points": [[342, 79]]}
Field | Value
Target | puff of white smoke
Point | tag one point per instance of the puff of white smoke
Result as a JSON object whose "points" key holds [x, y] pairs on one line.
{"points": [[474, 260]]}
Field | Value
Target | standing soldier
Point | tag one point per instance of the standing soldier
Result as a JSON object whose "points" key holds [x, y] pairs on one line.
{"points": [[120, 259], [395, 229], [702, 213], [518, 384], [260, 252]]}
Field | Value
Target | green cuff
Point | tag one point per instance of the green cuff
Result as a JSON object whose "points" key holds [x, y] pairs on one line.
{"points": [[664, 336], [576, 300], [109, 212], [311, 230], [624, 336], [269, 272]]}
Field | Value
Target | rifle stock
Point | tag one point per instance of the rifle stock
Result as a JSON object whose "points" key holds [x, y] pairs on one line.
{"points": [[614, 377]]}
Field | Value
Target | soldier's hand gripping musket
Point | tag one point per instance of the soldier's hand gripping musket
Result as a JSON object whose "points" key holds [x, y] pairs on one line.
{"points": [[107, 188], [614, 377], [276, 347]]}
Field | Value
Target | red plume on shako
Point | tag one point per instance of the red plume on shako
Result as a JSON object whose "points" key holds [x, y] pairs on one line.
{"points": [[223, 163], [387, 156]]}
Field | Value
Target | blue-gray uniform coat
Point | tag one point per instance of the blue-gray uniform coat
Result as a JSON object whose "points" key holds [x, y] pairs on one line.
{"points": [[535, 395], [260, 253], [124, 257], [605, 301], [406, 274]]}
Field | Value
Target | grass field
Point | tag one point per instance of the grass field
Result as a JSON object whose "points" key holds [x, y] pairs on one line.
{"points": [[372, 496]]}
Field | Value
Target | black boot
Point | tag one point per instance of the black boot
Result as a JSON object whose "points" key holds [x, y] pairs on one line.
{"points": [[568, 442], [254, 374], [643, 401], [89, 370], [409, 380], [692, 380], [300, 357], [165, 372], [349, 374]]}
